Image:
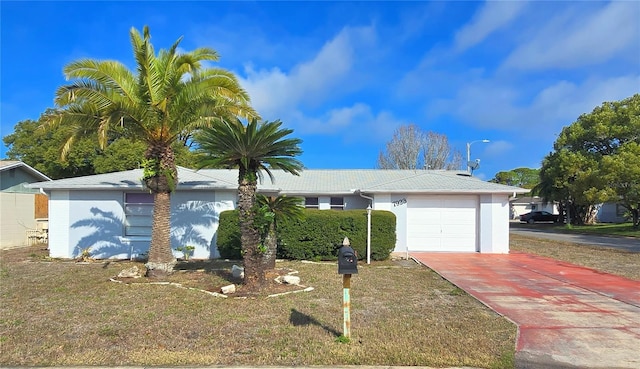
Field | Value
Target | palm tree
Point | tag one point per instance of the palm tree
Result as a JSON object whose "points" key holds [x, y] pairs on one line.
{"points": [[256, 147], [166, 99], [278, 208]]}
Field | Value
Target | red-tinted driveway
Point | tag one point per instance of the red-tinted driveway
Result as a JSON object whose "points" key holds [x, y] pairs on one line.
{"points": [[568, 316]]}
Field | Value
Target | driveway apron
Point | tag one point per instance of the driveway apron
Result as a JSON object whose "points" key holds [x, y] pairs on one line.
{"points": [[568, 316]]}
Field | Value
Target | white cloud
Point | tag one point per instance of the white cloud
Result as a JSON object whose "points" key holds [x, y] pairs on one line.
{"points": [[353, 123], [280, 94], [574, 38], [492, 16], [490, 104]]}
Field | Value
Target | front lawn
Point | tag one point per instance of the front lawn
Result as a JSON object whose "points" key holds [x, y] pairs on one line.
{"points": [[56, 313]]}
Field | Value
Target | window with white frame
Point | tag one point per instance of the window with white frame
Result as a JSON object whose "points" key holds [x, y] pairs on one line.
{"points": [[138, 213], [311, 203], [337, 203]]}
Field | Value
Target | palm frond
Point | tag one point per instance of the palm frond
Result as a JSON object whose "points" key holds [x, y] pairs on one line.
{"points": [[257, 147]]}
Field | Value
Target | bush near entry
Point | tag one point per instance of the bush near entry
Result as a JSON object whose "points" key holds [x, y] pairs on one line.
{"points": [[318, 235]]}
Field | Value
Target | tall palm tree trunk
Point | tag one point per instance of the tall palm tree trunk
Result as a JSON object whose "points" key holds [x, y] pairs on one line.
{"points": [[161, 177], [271, 244], [161, 259], [253, 267]]}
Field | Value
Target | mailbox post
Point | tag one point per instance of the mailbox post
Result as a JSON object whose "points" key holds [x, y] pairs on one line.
{"points": [[347, 265]]}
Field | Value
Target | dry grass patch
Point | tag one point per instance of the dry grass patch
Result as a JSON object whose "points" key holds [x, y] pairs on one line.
{"points": [[609, 260], [67, 313]]}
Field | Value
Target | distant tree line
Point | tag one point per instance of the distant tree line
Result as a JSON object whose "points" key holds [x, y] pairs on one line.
{"points": [[519, 177]]}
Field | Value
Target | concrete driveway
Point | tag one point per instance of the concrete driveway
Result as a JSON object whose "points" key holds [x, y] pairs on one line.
{"points": [[568, 316], [623, 243]]}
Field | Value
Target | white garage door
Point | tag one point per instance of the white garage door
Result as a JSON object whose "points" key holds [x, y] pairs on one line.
{"points": [[442, 223]]}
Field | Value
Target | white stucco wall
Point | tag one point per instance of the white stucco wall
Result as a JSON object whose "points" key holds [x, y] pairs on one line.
{"points": [[87, 219], [493, 224], [194, 217], [59, 230], [397, 204], [95, 220]]}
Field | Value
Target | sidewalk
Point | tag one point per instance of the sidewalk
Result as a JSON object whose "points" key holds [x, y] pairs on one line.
{"points": [[568, 316], [247, 367]]}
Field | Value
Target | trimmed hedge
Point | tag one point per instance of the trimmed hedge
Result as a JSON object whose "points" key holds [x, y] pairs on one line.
{"points": [[319, 235]]}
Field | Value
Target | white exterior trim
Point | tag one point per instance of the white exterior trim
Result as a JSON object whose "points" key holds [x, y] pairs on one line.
{"points": [[494, 224]]}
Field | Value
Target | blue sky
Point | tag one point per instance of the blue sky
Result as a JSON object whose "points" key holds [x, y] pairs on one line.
{"points": [[345, 75]]}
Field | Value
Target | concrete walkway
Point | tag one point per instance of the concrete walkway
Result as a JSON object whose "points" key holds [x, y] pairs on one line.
{"points": [[568, 316], [242, 367]]}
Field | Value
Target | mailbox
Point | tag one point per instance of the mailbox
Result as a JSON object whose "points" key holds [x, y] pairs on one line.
{"points": [[347, 261]]}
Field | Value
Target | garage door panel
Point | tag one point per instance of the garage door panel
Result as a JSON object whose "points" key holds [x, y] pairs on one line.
{"points": [[467, 217], [456, 231], [426, 218], [453, 246], [442, 223]]}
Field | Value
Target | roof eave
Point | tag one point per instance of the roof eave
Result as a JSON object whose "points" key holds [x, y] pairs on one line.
{"points": [[30, 169]]}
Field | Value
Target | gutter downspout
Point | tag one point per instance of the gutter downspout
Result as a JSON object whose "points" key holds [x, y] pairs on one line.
{"points": [[369, 208]]}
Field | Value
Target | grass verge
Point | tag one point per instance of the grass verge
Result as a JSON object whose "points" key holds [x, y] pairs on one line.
{"points": [[58, 313], [603, 229]]}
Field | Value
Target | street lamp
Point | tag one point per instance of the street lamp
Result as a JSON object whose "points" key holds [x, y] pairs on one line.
{"points": [[469, 152], [369, 234]]}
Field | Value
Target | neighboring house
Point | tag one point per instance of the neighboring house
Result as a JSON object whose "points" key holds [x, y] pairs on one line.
{"points": [[436, 210], [523, 205], [611, 212], [23, 210]]}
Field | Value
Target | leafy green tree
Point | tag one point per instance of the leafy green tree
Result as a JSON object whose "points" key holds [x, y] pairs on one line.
{"points": [[275, 209], [256, 147], [595, 160], [125, 153], [121, 154], [40, 150], [168, 97], [622, 173], [520, 177]]}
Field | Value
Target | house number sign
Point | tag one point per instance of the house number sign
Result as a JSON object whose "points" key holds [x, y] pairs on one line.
{"points": [[402, 201]]}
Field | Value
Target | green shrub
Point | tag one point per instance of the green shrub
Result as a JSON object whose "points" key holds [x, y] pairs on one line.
{"points": [[228, 238], [318, 235]]}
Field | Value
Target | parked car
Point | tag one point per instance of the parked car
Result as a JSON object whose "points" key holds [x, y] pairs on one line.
{"points": [[538, 216]]}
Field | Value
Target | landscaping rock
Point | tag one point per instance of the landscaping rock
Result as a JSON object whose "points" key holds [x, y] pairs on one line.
{"points": [[237, 272], [228, 289], [291, 279], [132, 272]]}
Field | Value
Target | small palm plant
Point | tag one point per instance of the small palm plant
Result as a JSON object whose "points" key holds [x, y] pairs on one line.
{"points": [[280, 208]]}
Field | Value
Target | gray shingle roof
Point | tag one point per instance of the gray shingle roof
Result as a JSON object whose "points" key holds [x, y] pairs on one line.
{"points": [[311, 181], [10, 164], [132, 179]]}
